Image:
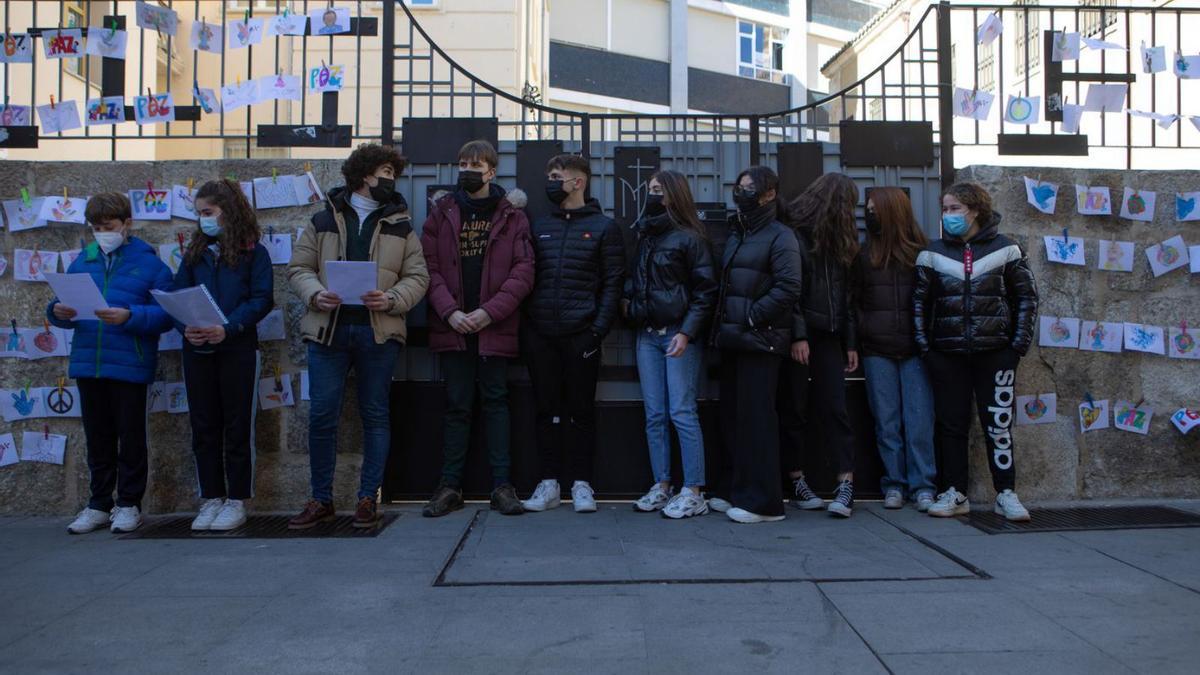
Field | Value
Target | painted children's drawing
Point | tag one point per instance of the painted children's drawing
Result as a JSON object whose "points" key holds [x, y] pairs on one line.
{"points": [[63, 43], [183, 203], [1154, 59], [16, 48], [1185, 419], [306, 189], [155, 17], [207, 37], [1054, 331], [326, 78], [107, 42], [275, 392], [1144, 338], [280, 87], [20, 404], [8, 450], [23, 215], [151, 204], [287, 24], [1037, 409], [42, 446], [64, 209], [271, 327], [1133, 417], [242, 33], [1023, 109], [1093, 201], [1065, 250], [1138, 204], [1115, 256], [154, 108], [329, 20], [32, 265], [1093, 415], [58, 117], [1181, 343], [1065, 46], [13, 115], [1168, 256], [104, 110], [176, 395], [1101, 336], [171, 255], [274, 192], [974, 104], [61, 401], [1186, 204], [279, 246], [1041, 196]]}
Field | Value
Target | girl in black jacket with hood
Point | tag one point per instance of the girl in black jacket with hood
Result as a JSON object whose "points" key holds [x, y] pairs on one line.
{"points": [[974, 309], [760, 284], [824, 339]]}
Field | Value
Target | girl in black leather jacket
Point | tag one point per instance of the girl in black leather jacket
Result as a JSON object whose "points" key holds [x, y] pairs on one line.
{"points": [[760, 285], [824, 337], [669, 297]]}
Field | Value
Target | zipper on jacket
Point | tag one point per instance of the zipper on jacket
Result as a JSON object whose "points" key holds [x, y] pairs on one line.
{"points": [[833, 322], [896, 298], [100, 329], [562, 251], [968, 269]]}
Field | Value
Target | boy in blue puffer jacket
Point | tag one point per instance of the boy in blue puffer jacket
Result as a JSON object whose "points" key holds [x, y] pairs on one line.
{"points": [[113, 358]]}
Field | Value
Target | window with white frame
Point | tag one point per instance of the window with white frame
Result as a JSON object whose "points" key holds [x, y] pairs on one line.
{"points": [[760, 51], [1028, 42]]}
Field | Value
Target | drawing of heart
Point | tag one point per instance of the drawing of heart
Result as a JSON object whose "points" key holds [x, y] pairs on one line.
{"points": [[1184, 207], [45, 341], [1059, 332], [1136, 204], [1185, 343], [1043, 194], [1035, 409], [1168, 255], [1090, 416]]}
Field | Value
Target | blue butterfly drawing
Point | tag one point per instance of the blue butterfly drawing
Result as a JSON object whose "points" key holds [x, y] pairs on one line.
{"points": [[1141, 337], [1042, 194], [1063, 250], [1184, 207]]}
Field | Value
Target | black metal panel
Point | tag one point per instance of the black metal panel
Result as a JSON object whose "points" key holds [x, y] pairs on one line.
{"points": [[799, 164], [303, 136], [532, 157], [886, 143], [733, 95], [437, 140], [1087, 518], [605, 73], [19, 137], [1042, 144], [258, 527], [632, 168]]}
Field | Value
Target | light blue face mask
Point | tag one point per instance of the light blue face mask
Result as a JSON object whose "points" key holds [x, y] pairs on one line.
{"points": [[210, 225], [954, 223]]}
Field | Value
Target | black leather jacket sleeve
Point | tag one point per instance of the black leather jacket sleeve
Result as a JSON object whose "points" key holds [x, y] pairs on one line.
{"points": [[1023, 297], [785, 283], [850, 317], [704, 288], [612, 276], [921, 306]]}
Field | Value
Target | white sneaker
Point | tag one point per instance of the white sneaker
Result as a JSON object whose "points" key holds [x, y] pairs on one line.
{"points": [[924, 501], [894, 499], [545, 496], [653, 500], [231, 517], [1010, 507], [719, 505], [89, 520], [583, 497], [738, 515], [685, 505], [950, 503], [208, 513], [126, 519]]}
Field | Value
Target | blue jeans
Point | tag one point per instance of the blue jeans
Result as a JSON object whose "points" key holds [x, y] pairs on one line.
{"points": [[670, 383], [901, 400], [352, 346]]}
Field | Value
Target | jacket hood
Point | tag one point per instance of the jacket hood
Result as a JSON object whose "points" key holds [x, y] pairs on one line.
{"points": [[759, 217], [513, 199], [338, 199], [653, 224], [590, 207]]}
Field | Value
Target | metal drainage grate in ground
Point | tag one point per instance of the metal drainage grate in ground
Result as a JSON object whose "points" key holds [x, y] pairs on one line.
{"points": [[257, 527], [1087, 518]]}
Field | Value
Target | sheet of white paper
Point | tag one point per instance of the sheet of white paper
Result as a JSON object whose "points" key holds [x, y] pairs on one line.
{"points": [[234, 96], [46, 342], [989, 30], [271, 327], [1037, 409], [183, 203], [1093, 201], [1144, 338], [248, 190], [150, 204], [1186, 206], [156, 397], [170, 341], [8, 450], [1041, 196], [350, 280], [329, 20], [1163, 120], [289, 24], [1185, 419], [1126, 417], [107, 42], [326, 78], [206, 99], [176, 394], [1105, 97], [274, 192], [304, 395], [3, 264], [38, 446], [279, 247], [1101, 336], [280, 87], [1187, 67], [78, 291], [106, 110], [193, 307], [1095, 43], [29, 265], [1154, 59], [62, 116], [61, 402], [1115, 256], [307, 191], [21, 404], [207, 37], [972, 103], [18, 48], [1194, 259], [65, 43], [1182, 344], [22, 217], [171, 255], [243, 33], [154, 109], [1065, 46], [1093, 416], [1072, 114], [1056, 331], [1138, 204], [152, 16], [13, 345], [1067, 251], [274, 393], [13, 115], [1167, 256], [1023, 109]]}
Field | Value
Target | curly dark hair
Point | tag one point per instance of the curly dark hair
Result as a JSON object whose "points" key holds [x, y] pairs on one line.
{"points": [[368, 157], [976, 198], [827, 208], [239, 224]]}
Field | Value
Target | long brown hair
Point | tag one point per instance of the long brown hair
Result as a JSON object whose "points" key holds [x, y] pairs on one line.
{"points": [[681, 207], [900, 239], [827, 206], [239, 224]]}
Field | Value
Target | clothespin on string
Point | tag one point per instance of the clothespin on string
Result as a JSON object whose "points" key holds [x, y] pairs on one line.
{"points": [[179, 238], [278, 380], [62, 382], [1066, 239], [274, 175], [308, 167], [53, 105], [1139, 403], [14, 327], [112, 28], [190, 182], [1087, 395], [46, 431], [25, 198]]}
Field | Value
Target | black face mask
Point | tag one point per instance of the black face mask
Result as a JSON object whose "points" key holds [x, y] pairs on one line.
{"points": [[874, 227], [654, 206], [471, 181], [383, 190], [746, 200], [555, 192]]}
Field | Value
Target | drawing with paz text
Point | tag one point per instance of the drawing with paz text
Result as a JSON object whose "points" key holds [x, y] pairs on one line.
{"points": [[1093, 201]]}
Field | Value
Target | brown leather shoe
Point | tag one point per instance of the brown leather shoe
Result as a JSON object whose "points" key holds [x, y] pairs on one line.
{"points": [[367, 514], [446, 500], [504, 500], [314, 512]]}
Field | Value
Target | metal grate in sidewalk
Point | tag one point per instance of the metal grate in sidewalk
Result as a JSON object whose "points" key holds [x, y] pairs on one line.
{"points": [[1086, 518], [258, 527]]}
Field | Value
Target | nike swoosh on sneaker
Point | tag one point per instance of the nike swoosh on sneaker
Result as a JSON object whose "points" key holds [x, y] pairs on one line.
{"points": [[588, 355]]}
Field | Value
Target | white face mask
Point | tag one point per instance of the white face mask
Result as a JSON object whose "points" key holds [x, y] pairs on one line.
{"points": [[109, 241]]}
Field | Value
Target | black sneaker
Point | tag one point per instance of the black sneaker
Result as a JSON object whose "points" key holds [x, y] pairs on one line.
{"points": [[444, 501], [843, 500], [805, 498], [504, 500]]}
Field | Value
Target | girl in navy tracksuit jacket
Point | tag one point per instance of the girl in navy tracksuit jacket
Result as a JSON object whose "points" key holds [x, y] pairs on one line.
{"points": [[221, 364]]}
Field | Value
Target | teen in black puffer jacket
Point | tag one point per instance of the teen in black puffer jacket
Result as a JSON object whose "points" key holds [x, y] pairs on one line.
{"points": [[974, 310], [672, 282], [825, 303], [884, 300]]}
